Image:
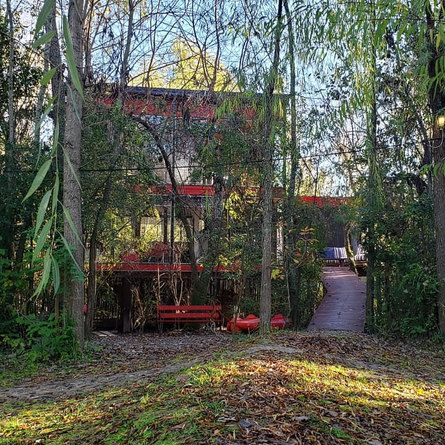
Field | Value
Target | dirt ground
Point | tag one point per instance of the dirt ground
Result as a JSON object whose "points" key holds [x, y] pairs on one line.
{"points": [[116, 360]]}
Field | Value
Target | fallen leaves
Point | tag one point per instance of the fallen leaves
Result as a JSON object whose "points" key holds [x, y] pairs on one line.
{"points": [[308, 388], [315, 397]]}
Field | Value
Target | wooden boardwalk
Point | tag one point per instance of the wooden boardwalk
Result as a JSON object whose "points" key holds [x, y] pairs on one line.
{"points": [[343, 307]]}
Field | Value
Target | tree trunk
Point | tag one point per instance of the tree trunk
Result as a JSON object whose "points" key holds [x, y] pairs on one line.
{"points": [[10, 164], [293, 281], [58, 89], [439, 219], [268, 172], [348, 247], [116, 141], [373, 188], [72, 198], [437, 104], [92, 284], [8, 221]]}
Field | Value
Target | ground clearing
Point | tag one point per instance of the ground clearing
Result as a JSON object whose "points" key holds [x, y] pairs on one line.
{"points": [[316, 387]]}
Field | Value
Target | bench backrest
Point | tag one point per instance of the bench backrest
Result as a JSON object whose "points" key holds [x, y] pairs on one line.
{"points": [[192, 312]]}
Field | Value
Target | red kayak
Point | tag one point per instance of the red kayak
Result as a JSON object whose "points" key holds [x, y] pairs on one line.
{"points": [[252, 323]]}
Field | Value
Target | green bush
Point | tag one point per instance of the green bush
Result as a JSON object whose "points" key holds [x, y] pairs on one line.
{"points": [[48, 339], [405, 276]]}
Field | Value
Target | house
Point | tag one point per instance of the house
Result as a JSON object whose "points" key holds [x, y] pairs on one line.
{"points": [[188, 199]]}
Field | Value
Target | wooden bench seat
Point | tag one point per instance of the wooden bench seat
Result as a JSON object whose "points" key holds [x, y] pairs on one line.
{"points": [[188, 314]]}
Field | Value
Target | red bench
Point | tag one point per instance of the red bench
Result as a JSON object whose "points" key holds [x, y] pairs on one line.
{"points": [[189, 314]]}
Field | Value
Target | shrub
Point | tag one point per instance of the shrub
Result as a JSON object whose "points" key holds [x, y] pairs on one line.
{"points": [[48, 339]]}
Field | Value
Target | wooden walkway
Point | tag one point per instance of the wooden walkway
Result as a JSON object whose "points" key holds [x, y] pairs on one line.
{"points": [[343, 307]]}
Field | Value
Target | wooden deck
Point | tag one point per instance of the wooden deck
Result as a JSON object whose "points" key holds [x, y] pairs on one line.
{"points": [[343, 307]]}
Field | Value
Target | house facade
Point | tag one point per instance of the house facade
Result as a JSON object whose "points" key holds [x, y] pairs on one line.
{"points": [[192, 201]]}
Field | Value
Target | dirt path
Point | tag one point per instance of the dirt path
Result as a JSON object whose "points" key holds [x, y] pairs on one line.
{"points": [[137, 359], [343, 307], [123, 360], [68, 388], [119, 360]]}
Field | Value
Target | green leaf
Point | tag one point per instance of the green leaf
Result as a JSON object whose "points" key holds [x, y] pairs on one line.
{"points": [[40, 176], [42, 210], [68, 249], [46, 266], [42, 238], [46, 272], [75, 104], [55, 194], [71, 223], [436, 169], [72, 68], [44, 39], [425, 169], [68, 160], [46, 78], [56, 274], [55, 139], [39, 289], [45, 112], [43, 15]]}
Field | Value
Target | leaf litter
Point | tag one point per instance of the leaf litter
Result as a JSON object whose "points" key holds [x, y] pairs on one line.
{"points": [[288, 388]]}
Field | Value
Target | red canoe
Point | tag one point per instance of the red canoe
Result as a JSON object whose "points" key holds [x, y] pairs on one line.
{"points": [[252, 323]]}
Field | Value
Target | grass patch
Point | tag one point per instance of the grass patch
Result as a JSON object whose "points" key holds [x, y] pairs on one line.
{"points": [[15, 368]]}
